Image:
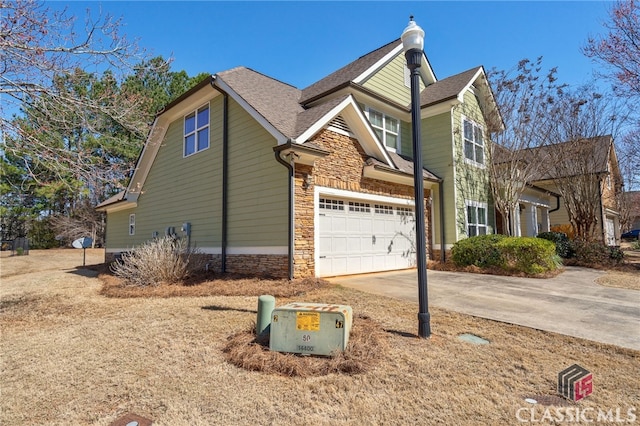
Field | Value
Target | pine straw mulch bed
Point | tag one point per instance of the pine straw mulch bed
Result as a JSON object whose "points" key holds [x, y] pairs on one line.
{"points": [[210, 284], [367, 346]]}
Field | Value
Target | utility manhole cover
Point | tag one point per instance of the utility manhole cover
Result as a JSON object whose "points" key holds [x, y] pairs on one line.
{"points": [[132, 420], [472, 338], [558, 401]]}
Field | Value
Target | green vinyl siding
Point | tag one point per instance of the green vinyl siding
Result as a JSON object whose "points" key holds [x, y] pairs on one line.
{"points": [[389, 81], [258, 185], [182, 189], [471, 180], [437, 157], [117, 235]]}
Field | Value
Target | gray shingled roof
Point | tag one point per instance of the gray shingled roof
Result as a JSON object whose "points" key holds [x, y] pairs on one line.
{"points": [[277, 102], [559, 157], [404, 165], [308, 117], [347, 73], [447, 88]]}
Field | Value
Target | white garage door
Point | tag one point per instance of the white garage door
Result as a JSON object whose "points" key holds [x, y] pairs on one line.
{"points": [[359, 236], [610, 231]]}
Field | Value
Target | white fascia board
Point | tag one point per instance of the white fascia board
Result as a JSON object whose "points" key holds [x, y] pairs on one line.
{"points": [[427, 73], [148, 156], [469, 83], [280, 138], [440, 108], [487, 90], [120, 206], [387, 176], [358, 124]]}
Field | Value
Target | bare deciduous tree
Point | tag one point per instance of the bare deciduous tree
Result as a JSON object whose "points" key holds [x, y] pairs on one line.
{"points": [[579, 159], [620, 48], [48, 66], [527, 99]]}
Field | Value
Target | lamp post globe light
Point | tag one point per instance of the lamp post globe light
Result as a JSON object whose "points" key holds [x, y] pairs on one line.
{"points": [[413, 43]]}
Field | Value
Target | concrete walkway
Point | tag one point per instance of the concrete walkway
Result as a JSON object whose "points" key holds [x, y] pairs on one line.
{"points": [[571, 303]]}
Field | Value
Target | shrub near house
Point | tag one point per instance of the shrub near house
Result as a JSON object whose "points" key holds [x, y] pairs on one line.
{"points": [[511, 254], [583, 253]]}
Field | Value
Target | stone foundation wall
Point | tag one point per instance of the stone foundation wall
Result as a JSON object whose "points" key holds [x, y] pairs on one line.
{"points": [[263, 265]]}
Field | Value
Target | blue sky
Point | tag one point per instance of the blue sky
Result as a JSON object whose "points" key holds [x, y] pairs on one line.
{"points": [[300, 42]]}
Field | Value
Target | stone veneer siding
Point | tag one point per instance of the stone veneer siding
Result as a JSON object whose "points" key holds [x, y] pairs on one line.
{"points": [[342, 169]]}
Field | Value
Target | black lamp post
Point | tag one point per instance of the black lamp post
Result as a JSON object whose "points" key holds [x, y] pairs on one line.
{"points": [[413, 43]]}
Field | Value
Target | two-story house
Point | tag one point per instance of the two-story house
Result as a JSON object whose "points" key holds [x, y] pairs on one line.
{"points": [[266, 178]]}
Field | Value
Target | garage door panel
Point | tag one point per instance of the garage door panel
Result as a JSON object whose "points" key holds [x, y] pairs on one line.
{"points": [[363, 238]]}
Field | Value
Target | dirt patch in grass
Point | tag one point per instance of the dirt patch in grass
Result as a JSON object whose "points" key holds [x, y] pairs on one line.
{"points": [[367, 346]]}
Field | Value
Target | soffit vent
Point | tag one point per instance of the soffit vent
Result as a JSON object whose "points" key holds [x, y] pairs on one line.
{"points": [[339, 125]]}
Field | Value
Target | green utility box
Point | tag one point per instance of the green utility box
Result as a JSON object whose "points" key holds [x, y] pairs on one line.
{"points": [[310, 328]]}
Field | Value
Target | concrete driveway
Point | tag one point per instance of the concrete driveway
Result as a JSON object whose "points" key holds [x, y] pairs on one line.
{"points": [[571, 303]]}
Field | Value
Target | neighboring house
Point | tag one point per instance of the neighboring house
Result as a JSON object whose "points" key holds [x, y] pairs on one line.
{"points": [[589, 169], [269, 179], [632, 202]]}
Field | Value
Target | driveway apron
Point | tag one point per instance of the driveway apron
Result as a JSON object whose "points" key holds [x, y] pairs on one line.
{"points": [[570, 303]]}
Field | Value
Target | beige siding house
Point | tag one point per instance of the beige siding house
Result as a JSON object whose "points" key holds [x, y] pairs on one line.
{"points": [[273, 180]]}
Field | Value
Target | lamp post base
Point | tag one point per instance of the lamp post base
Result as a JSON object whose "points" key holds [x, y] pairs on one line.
{"points": [[424, 325]]}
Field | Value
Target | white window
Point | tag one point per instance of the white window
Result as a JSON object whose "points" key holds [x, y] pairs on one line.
{"points": [[473, 142], [196, 131], [476, 218], [132, 224], [387, 128]]}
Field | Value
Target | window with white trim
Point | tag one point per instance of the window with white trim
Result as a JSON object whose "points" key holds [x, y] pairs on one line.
{"points": [[386, 127], [132, 224], [196, 131], [476, 218], [473, 142]]}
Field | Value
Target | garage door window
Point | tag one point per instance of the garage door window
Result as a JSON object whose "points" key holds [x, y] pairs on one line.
{"points": [[405, 211], [328, 204], [382, 209], [355, 206]]}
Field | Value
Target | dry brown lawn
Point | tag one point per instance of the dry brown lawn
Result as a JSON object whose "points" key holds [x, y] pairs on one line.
{"points": [[70, 355]]}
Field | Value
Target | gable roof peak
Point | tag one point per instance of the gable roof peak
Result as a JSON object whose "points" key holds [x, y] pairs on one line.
{"points": [[347, 73]]}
